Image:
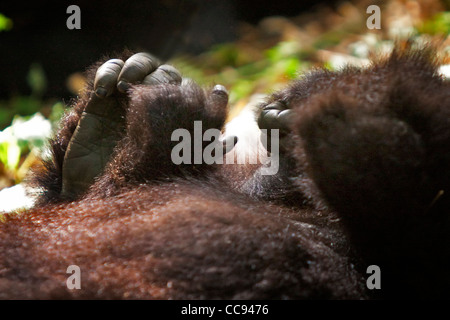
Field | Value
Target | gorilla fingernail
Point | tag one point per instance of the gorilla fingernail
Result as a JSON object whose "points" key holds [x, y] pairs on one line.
{"points": [[220, 89], [101, 92], [123, 86]]}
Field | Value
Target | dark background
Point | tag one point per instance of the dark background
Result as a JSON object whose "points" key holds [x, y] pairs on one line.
{"points": [[163, 27]]}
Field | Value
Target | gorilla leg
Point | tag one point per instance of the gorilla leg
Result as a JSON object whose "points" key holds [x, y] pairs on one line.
{"points": [[376, 144], [154, 113], [375, 141], [92, 128]]}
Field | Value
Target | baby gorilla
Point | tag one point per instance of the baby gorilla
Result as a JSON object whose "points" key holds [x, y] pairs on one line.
{"points": [[364, 169]]}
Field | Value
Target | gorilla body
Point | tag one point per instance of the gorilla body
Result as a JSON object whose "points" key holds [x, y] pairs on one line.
{"points": [[363, 180]]}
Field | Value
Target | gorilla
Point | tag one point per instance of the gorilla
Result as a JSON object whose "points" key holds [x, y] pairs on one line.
{"points": [[357, 206]]}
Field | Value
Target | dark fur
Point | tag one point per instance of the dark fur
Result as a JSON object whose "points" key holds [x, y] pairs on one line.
{"points": [[369, 152]]}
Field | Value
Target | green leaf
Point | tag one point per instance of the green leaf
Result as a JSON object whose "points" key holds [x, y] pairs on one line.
{"points": [[36, 79], [5, 23], [439, 24], [25, 105], [13, 155], [10, 153], [58, 110], [283, 50]]}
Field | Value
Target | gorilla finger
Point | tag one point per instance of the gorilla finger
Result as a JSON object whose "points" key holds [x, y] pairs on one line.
{"points": [[219, 96], [136, 68], [172, 72], [106, 77], [276, 105], [164, 74], [285, 119], [275, 119]]}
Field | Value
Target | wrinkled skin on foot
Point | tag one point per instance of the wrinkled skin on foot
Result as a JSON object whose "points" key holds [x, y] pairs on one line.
{"points": [[275, 115], [102, 122]]}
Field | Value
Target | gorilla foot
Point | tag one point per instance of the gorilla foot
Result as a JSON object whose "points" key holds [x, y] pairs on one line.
{"points": [[275, 115], [102, 122]]}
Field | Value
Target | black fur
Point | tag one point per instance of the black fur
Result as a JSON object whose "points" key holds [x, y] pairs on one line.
{"points": [[368, 156]]}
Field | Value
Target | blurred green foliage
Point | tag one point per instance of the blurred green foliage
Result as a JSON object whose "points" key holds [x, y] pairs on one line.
{"points": [[237, 68], [5, 23], [25, 105], [37, 80], [438, 25], [18, 105], [21, 143], [23, 129]]}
